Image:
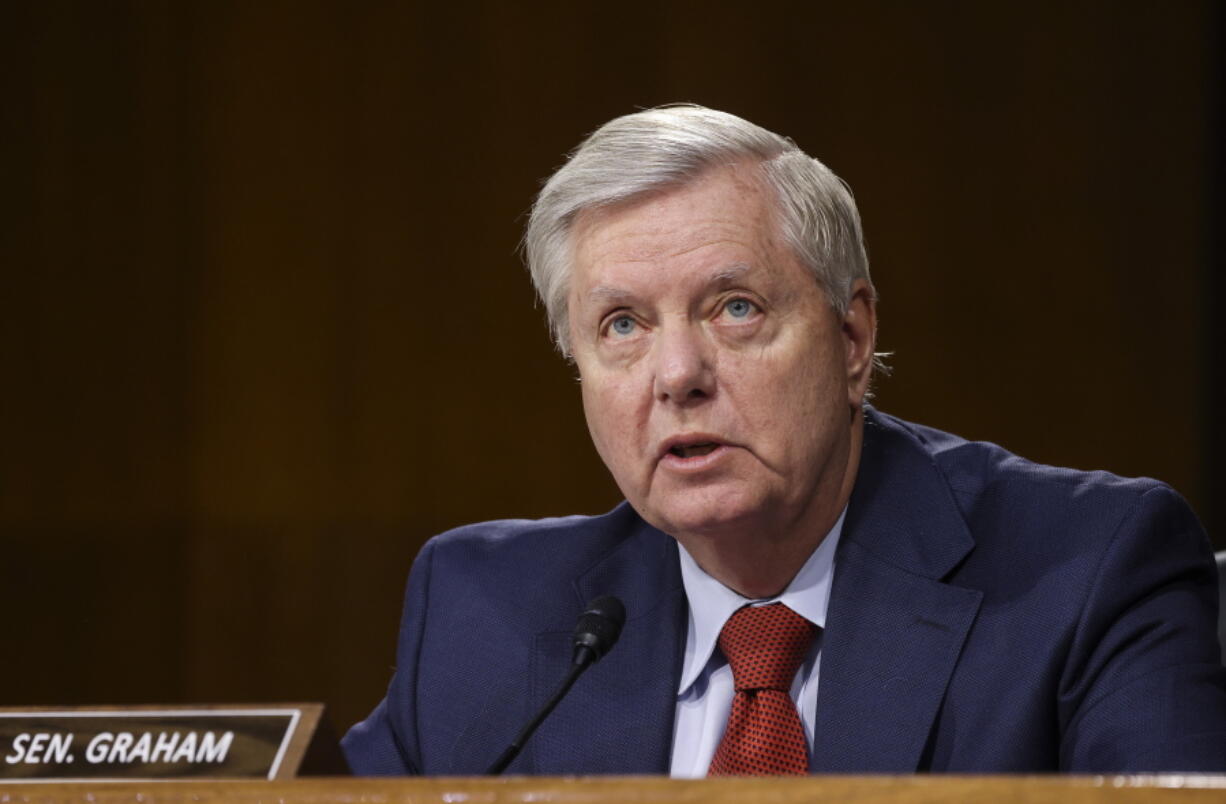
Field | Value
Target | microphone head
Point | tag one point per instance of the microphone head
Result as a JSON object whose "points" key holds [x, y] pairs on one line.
{"points": [[598, 628]]}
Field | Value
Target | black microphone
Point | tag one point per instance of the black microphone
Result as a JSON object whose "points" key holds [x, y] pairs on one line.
{"points": [[596, 633]]}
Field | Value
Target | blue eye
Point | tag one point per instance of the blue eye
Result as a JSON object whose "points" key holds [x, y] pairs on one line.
{"points": [[739, 308], [623, 325]]}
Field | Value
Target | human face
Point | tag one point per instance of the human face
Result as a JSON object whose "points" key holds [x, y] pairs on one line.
{"points": [[718, 383]]}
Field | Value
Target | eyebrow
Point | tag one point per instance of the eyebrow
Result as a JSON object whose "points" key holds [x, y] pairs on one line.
{"points": [[730, 274], [606, 293], [726, 276]]}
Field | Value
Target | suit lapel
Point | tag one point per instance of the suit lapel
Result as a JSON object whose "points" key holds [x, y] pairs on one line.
{"points": [[618, 718], [894, 631], [890, 645]]}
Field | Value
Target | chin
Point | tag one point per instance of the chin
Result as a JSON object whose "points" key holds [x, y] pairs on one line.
{"points": [[719, 517]]}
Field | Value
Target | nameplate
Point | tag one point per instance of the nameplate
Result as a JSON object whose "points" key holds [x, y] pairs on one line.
{"points": [[231, 742]]}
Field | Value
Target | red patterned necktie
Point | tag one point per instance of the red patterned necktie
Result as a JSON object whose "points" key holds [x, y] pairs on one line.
{"points": [[765, 646]]}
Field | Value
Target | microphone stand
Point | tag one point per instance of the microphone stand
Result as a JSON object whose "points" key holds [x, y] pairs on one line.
{"points": [[595, 635], [517, 744]]}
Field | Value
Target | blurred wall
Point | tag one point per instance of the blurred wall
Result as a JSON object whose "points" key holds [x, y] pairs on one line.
{"points": [[264, 329]]}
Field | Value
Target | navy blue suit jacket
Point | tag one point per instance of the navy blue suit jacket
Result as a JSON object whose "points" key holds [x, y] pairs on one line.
{"points": [[988, 615]]}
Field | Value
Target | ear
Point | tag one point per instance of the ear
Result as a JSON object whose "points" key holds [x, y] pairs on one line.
{"points": [[860, 338]]}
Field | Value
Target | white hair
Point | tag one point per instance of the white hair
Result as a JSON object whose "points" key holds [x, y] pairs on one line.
{"points": [[640, 153]]}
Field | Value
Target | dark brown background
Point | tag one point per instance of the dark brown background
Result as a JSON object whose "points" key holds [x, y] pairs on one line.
{"points": [[263, 329]]}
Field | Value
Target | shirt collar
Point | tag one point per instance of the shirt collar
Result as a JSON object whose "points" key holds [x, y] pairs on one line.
{"points": [[712, 603]]}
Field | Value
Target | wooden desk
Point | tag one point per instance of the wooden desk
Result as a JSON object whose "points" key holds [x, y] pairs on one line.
{"points": [[645, 790]]}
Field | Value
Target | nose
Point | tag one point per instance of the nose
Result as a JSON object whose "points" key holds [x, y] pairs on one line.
{"points": [[684, 373]]}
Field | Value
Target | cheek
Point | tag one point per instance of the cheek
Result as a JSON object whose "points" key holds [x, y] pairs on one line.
{"points": [[791, 397], [593, 411], [774, 383], [609, 418]]}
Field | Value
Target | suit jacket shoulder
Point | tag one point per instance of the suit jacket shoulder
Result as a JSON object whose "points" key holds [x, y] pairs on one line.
{"points": [[1038, 618], [485, 639]]}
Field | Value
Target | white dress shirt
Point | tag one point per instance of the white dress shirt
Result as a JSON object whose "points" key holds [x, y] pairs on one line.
{"points": [[704, 697]]}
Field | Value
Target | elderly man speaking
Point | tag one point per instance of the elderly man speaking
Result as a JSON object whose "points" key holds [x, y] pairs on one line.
{"points": [[810, 585]]}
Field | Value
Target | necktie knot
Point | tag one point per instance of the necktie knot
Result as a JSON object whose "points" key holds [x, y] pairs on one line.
{"points": [[765, 646]]}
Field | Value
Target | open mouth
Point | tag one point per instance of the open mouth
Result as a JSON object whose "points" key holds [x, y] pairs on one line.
{"points": [[693, 450]]}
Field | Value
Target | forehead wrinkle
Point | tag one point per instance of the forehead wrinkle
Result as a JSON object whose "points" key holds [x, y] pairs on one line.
{"points": [[602, 232], [706, 237]]}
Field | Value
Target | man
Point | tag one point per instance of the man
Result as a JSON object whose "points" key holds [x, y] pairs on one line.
{"points": [[811, 585]]}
